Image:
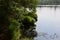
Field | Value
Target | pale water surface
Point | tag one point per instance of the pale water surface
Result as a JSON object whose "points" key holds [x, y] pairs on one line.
{"points": [[48, 24]]}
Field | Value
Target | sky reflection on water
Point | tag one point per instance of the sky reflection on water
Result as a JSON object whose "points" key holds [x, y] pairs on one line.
{"points": [[48, 22]]}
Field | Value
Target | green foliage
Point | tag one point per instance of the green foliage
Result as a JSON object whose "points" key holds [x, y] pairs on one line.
{"points": [[28, 3], [28, 22], [14, 29], [14, 13], [14, 24], [31, 14]]}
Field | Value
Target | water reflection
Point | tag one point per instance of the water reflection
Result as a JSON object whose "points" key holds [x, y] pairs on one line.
{"points": [[47, 36], [49, 23]]}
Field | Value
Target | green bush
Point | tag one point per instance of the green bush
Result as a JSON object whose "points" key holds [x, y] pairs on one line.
{"points": [[15, 17]]}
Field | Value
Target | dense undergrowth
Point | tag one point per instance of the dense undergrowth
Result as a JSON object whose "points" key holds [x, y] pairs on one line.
{"points": [[17, 19]]}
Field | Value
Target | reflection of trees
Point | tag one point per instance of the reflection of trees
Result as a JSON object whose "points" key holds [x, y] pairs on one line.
{"points": [[48, 36], [54, 36], [50, 2], [30, 33]]}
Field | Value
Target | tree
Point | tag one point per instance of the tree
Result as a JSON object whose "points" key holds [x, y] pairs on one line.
{"points": [[14, 18]]}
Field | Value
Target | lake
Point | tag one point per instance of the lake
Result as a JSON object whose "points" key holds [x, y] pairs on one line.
{"points": [[48, 24]]}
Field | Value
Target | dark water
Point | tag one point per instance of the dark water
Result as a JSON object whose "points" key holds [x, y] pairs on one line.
{"points": [[48, 24]]}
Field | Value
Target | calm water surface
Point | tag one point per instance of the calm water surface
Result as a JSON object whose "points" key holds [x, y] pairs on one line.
{"points": [[48, 24]]}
